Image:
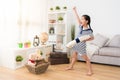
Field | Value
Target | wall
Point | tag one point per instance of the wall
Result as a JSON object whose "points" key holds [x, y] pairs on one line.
{"points": [[105, 14], [0, 58]]}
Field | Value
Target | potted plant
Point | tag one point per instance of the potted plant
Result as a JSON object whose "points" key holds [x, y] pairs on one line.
{"points": [[20, 44], [73, 32], [57, 8], [60, 19], [65, 8], [41, 53], [27, 44], [51, 9], [19, 58]]}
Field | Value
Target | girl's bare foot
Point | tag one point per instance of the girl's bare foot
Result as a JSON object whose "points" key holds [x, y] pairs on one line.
{"points": [[89, 74], [69, 68]]}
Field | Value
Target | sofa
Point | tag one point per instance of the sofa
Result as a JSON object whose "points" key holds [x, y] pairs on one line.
{"points": [[108, 52]]}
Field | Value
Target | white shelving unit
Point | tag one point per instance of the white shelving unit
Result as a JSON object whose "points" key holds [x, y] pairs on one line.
{"points": [[10, 60], [59, 33]]}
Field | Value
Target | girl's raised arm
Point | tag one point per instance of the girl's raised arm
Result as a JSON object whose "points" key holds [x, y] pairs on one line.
{"points": [[77, 16]]}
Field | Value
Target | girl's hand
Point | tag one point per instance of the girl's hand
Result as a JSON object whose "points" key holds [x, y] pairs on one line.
{"points": [[74, 8], [77, 16], [89, 39]]}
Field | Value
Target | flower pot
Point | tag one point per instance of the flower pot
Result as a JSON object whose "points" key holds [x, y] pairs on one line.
{"points": [[60, 21], [20, 45], [19, 63], [27, 44], [64, 8]]}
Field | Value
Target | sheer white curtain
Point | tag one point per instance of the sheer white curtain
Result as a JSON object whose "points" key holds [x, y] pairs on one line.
{"points": [[21, 20], [8, 22], [32, 18]]}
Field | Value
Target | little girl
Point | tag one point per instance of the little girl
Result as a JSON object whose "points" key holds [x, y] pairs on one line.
{"points": [[80, 47]]}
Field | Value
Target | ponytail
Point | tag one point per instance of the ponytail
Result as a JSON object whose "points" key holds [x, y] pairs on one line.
{"points": [[90, 28]]}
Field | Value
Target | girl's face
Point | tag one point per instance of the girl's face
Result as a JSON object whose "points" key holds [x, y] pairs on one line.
{"points": [[83, 21]]}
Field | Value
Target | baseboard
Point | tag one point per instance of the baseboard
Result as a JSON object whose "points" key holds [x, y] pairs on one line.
{"points": [[99, 63]]}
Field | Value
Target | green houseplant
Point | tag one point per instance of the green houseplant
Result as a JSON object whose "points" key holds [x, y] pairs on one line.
{"points": [[73, 32], [64, 7], [19, 58], [41, 53], [57, 8], [51, 9], [60, 19], [20, 44]]}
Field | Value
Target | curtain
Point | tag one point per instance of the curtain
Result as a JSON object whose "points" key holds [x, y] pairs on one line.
{"points": [[32, 18], [21, 20]]}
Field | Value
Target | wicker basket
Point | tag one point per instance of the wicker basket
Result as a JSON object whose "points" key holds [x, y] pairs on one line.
{"points": [[41, 68]]}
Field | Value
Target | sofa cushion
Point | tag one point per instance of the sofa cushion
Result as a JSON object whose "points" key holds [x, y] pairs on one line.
{"points": [[115, 41], [110, 51], [99, 40]]}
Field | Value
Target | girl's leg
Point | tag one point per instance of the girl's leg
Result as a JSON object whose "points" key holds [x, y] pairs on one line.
{"points": [[89, 66], [73, 60]]}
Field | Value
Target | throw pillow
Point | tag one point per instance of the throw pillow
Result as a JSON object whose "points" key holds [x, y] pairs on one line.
{"points": [[115, 41], [99, 40]]}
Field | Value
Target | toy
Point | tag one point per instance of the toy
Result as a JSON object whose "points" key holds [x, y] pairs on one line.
{"points": [[77, 40], [34, 58]]}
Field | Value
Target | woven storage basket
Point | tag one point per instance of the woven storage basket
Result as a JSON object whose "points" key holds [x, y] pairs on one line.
{"points": [[40, 68]]}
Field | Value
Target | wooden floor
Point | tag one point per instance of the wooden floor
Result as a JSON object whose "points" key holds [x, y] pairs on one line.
{"points": [[57, 72]]}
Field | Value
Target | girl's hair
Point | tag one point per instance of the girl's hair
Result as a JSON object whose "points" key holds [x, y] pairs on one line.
{"points": [[87, 18]]}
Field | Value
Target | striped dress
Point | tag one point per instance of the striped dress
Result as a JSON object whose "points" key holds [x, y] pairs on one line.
{"points": [[80, 47]]}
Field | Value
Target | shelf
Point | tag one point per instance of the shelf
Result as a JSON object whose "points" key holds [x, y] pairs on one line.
{"points": [[57, 12], [58, 50], [61, 34], [58, 28], [56, 23], [52, 42], [32, 47]]}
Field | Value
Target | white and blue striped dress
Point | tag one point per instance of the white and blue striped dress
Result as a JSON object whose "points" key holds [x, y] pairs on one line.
{"points": [[80, 47]]}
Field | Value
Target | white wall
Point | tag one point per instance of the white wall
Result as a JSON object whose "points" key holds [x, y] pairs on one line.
{"points": [[105, 14], [0, 58]]}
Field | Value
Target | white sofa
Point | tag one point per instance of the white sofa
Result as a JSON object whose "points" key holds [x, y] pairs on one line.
{"points": [[109, 51]]}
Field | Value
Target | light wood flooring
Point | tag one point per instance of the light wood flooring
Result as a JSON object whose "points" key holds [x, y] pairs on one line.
{"points": [[57, 72]]}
